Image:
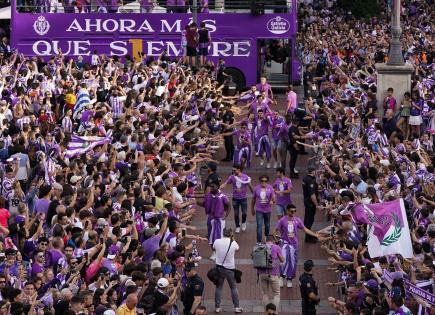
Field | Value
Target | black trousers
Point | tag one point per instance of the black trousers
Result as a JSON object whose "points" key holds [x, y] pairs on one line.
{"points": [[310, 212], [229, 147], [308, 312], [293, 159]]}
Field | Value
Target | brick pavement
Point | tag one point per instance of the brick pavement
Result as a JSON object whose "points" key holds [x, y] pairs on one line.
{"points": [[249, 291]]}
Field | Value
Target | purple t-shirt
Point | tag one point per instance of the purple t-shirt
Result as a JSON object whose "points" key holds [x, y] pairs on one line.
{"points": [[242, 138], [274, 252], [41, 205], [36, 268], [214, 205], [288, 229], [281, 185], [240, 185], [264, 88], [263, 197]]}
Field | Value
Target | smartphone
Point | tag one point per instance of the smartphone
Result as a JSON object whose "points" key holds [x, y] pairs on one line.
{"points": [[183, 232]]}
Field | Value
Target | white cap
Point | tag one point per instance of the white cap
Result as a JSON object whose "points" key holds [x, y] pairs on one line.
{"points": [[162, 283], [74, 179]]}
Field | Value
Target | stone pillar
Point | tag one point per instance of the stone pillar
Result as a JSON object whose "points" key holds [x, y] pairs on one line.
{"points": [[396, 77]]}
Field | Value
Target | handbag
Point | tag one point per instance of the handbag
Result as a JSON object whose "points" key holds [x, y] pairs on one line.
{"points": [[238, 275], [213, 274]]}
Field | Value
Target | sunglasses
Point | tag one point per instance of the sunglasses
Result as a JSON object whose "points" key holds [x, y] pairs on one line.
{"points": [[2, 281], [39, 256], [43, 244]]}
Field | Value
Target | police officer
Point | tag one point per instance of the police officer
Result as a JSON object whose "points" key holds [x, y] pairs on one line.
{"points": [[293, 147], [228, 118], [309, 291], [311, 192], [192, 293]]}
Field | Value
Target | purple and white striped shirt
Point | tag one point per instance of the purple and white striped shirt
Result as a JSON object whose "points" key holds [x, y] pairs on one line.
{"points": [[67, 124], [117, 104]]}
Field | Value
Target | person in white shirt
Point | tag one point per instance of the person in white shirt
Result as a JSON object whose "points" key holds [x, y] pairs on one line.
{"points": [[225, 249]]}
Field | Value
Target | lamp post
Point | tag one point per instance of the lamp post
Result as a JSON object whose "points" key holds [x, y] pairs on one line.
{"points": [[195, 11], [395, 57]]}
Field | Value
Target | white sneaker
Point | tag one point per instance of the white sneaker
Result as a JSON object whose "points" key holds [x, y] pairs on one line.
{"points": [[259, 244], [213, 257], [289, 283], [296, 171], [217, 310], [268, 165], [238, 310], [281, 282], [261, 162], [243, 226], [237, 230], [275, 165]]}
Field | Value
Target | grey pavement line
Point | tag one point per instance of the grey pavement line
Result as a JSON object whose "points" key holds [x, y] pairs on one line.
{"points": [[256, 306], [248, 262]]}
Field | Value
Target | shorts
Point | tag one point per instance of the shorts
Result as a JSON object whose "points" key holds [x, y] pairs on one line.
{"points": [[280, 210], [203, 51], [190, 51], [274, 144]]}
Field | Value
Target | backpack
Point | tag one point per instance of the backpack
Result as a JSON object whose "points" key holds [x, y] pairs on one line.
{"points": [[262, 257]]}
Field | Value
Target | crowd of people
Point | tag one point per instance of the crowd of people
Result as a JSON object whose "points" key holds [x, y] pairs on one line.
{"points": [[103, 172], [371, 151]]}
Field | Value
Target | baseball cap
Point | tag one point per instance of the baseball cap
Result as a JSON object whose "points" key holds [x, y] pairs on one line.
{"points": [[74, 179], [57, 186], [162, 283], [308, 265], [372, 284]]}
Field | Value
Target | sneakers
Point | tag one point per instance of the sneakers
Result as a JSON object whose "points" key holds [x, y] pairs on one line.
{"points": [[213, 257], [237, 230], [238, 310], [217, 310], [289, 283], [261, 162], [268, 165], [296, 171], [275, 165], [281, 282], [259, 244], [243, 226]]}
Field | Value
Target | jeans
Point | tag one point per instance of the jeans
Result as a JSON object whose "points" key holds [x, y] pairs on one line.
{"points": [[229, 276], [240, 205], [270, 290], [261, 217]]}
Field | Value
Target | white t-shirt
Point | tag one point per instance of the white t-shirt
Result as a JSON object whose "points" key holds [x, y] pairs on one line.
{"points": [[221, 247]]}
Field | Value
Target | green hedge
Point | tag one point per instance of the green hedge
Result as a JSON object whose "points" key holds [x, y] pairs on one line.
{"points": [[361, 8]]}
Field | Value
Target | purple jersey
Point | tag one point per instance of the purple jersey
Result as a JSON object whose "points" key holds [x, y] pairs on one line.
{"points": [[240, 185], [281, 185], [288, 229], [214, 205], [263, 197], [262, 127], [243, 138], [276, 126]]}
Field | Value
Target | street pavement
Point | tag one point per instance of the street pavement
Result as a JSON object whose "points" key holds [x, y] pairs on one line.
{"points": [[249, 290]]}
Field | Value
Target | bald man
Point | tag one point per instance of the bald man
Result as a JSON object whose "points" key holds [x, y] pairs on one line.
{"points": [[129, 308]]}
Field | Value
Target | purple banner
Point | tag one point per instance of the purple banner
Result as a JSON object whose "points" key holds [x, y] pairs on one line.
{"points": [[411, 288], [424, 295], [234, 36]]}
